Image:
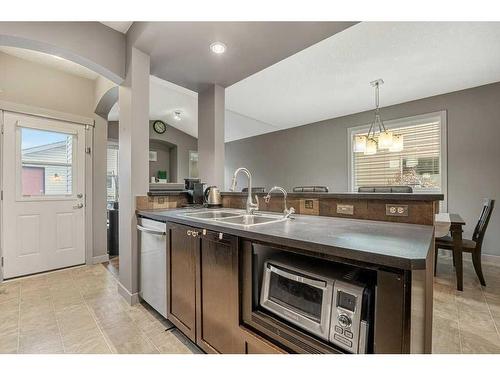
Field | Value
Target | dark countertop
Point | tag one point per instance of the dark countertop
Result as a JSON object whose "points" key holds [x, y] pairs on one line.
{"points": [[403, 246], [347, 195]]}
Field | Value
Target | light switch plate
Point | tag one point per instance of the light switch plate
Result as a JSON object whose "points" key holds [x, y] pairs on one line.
{"points": [[345, 209], [396, 210]]}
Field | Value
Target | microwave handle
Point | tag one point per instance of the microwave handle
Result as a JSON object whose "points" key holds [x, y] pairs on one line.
{"points": [[363, 337], [300, 279]]}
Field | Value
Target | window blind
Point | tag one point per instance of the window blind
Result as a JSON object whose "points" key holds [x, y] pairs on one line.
{"points": [[417, 165]]}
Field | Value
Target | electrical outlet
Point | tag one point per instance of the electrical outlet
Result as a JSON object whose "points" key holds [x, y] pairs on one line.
{"points": [[396, 210], [345, 209]]}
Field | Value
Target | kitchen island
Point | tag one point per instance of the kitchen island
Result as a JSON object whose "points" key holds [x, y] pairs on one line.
{"points": [[214, 280]]}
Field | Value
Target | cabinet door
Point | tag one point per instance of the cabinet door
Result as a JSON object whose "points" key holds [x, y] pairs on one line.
{"points": [[217, 294], [181, 262]]}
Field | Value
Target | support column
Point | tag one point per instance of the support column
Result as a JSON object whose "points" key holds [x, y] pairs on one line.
{"points": [[211, 109], [133, 165]]}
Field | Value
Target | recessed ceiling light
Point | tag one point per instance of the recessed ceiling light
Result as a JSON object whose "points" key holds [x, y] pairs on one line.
{"points": [[177, 115], [218, 47]]}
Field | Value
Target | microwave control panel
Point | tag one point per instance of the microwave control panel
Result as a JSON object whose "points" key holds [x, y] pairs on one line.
{"points": [[346, 317]]}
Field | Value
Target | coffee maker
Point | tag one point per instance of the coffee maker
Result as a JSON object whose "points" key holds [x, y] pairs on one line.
{"points": [[195, 190]]}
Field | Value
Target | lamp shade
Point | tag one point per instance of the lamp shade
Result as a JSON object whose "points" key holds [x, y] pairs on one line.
{"points": [[371, 147], [385, 140], [359, 143], [397, 143]]}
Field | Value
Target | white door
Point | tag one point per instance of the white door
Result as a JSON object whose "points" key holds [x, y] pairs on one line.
{"points": [[43, 173]]}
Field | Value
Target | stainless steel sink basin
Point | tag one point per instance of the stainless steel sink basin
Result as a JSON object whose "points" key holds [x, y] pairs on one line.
{"points": [[248, 220], [213, 215], [236, 217]]}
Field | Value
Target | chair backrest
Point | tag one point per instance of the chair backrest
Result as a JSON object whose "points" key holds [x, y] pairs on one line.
{"points": [[310, 189], [254, 190], [385, 189], [484, 219]]}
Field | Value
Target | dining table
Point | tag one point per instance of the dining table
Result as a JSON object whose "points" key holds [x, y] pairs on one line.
{"points": [[451, 223]]}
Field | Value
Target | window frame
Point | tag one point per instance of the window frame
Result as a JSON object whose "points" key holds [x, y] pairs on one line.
{"points": [[441, 116]]}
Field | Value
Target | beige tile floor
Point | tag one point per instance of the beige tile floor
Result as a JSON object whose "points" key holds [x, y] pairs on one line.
{"points": [[79, 311], [468, 321]]}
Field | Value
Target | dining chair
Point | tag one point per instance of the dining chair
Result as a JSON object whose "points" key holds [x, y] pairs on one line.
{"points": [[470, 246]]}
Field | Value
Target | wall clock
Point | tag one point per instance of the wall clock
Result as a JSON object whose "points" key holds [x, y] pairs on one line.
{"points": [[159, 126]]}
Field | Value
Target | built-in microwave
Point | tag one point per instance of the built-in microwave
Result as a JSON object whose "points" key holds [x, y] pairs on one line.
{"points": [[328, 302]]}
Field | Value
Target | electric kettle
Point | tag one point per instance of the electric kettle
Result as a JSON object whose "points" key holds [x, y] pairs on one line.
{"points": [[213, 197]]}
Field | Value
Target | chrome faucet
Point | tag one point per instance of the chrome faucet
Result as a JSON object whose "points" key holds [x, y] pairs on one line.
{"points": [[286, 212], [251, 207]]}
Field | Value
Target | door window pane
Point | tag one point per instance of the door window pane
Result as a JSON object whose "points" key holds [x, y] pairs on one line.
{"points": [[46, 162]]}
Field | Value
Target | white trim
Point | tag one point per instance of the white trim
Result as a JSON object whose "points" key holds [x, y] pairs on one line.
{"points": [[495, 259], [46, 113], [402, 122], [100, 259], [89, 195], [131, 298]]}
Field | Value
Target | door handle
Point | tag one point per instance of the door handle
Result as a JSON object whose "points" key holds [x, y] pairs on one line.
{"points": [[79, 205]]}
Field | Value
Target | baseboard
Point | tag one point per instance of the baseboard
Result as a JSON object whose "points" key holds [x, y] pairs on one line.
{"points": [[493, 259], [100, 259], [131, 298]]}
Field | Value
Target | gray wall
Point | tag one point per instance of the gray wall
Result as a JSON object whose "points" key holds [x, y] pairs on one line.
{"points": [[90, 44], [38, 85], [184, 143], [113, 131], [162, 162], [317, 153]]}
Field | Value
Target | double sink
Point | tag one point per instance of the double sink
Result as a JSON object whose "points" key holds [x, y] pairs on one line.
{"points": [[236, 217]]}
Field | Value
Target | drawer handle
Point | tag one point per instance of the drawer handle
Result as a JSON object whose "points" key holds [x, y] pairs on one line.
{"points": [[221, 235], [204, 232], [189, 232]]}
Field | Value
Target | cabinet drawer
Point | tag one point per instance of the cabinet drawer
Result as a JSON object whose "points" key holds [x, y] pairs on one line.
{"points": [[255, 344]]}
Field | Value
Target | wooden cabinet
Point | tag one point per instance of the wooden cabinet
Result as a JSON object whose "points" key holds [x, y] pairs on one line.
{"points": [[182, 251], [202, 298], [217, 313], [254, 344]]}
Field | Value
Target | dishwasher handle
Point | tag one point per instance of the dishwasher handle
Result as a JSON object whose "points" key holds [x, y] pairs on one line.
{"points": [[151, 231]]}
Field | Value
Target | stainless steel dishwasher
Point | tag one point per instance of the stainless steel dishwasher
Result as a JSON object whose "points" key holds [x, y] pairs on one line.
{"points": [[153, 263]]}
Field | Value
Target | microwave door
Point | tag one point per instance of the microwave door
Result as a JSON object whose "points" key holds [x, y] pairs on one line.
{"points": [[299, 299]]}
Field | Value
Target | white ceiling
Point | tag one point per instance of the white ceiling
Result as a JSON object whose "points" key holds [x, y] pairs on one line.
{"points": [[50, 61], [164, 99], [331, 78], [121, 26]]}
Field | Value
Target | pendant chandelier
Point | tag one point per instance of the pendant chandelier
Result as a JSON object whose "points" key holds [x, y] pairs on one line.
{"points": [[386, 140]]}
